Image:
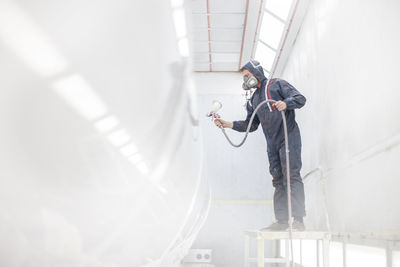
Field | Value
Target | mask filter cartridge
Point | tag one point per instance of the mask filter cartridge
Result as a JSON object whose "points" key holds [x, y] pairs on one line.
{"points": [[249, 83]]}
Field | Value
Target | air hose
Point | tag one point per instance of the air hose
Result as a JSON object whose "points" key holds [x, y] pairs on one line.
{"points": [[287, 162]]}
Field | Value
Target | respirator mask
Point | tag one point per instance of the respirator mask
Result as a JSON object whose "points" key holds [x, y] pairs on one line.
{"points": [[249, 82]]}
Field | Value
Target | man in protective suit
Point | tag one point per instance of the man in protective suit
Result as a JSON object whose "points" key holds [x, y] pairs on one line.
{"points": [[288, 99]]}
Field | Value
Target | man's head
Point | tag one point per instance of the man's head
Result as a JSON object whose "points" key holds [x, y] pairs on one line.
{"points": [[253, 69], [249, 80]]}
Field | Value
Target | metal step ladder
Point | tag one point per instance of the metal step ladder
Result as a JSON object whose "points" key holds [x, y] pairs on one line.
{"points": [[262, 236]]}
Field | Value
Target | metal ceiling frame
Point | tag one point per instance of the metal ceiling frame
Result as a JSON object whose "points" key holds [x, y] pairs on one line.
{"points": [[221, 52], [257, 30], [256, 39], [244, 34], [218, 41], [218, 13], [274, 15], [209, 28], [209, 35], [235, 71], [292, 25], [285, 37], [220, 62], [218, 28], [267, 45]]}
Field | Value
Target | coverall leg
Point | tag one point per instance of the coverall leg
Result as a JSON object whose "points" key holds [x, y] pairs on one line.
{"points": [[277, 160]]}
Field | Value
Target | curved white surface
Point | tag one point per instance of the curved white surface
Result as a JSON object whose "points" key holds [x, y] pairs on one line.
{"points": [[99, 161]]}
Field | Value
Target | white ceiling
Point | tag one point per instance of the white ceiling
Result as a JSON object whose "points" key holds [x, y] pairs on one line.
{"points": [[225, 34], [218, 33]]}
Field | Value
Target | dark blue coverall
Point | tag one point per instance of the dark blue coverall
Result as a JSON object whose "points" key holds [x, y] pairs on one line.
{"points": [[272, 125]]}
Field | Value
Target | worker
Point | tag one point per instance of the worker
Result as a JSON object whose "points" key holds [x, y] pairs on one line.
{"points": [[288, 99]]}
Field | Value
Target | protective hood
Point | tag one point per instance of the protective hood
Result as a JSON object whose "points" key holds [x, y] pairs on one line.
{"points": [[256, 69]]}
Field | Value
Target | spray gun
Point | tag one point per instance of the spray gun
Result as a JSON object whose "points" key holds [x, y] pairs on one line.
{"points": [[216, 105]]}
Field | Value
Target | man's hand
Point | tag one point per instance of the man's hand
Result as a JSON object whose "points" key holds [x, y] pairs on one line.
{"points": [[223, 124], [280, 105]]}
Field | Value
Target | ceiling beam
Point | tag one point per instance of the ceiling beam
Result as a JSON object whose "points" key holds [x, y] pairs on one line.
{"points": [[217, 28], [267, 45], [244, 33], [216, 52], [216, 71], [257, 30], [209, 34], [275, 16], [218, 13], [215, 62], [218, 42]]}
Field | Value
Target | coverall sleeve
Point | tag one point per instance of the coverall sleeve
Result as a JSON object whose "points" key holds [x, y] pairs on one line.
{"points": [[291, 96], [241, 126]]}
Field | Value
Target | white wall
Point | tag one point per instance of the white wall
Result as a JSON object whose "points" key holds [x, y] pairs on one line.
{"points": [[345, 60]]}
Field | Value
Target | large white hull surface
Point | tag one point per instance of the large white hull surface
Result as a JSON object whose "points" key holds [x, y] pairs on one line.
{"points": [[100, 162]]}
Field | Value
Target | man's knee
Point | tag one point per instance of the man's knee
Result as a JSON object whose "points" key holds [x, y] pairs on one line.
{"points": [[278, 182], [296, 178], [275, 171], [275, 168]]}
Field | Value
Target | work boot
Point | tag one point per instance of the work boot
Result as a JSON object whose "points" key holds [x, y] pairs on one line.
{"points": [[298, 226], [276, 227]]}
